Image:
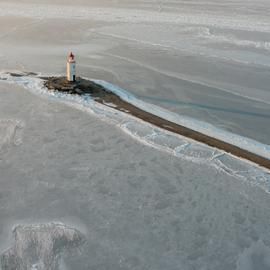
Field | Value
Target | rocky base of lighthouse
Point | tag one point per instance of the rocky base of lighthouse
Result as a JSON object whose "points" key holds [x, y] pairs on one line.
{"points": [[106, 97], [80, 86]]}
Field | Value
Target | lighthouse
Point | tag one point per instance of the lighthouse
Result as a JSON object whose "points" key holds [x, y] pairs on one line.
{"points": [[71, 68]]}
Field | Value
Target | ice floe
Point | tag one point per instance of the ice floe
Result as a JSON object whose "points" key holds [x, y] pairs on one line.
{"points": [[10, 134], [39, 246]]}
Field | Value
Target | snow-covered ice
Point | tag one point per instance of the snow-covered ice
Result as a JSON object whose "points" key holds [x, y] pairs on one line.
{"points": [[176, 204], [206, 60], [143, 198]]}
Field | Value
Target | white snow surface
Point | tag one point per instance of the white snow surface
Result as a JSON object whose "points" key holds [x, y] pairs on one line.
{"points": [[206, 59], [144, 198], [43, 11], [182, 205], [160, 139]]}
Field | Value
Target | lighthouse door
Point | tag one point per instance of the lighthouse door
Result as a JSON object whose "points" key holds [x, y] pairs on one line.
{"points": [[73, 78]]}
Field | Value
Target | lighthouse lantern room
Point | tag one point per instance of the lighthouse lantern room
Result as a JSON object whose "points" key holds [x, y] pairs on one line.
{"points": [[71, 68]]}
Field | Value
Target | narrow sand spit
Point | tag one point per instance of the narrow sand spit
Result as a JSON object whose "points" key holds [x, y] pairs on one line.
{"points": [[106, 97]]}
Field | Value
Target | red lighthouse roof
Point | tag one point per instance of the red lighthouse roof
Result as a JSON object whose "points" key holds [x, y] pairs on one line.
{"points": [[71, 55]]}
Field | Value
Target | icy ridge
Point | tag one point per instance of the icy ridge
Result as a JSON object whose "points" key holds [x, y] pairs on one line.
{"points": [[148, 134]]}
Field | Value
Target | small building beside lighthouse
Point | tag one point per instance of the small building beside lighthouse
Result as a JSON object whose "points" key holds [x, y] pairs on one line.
{"points": [[71, 68]]}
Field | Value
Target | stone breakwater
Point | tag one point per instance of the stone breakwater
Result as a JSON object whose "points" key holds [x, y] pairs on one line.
{"points": [[107, 98]]}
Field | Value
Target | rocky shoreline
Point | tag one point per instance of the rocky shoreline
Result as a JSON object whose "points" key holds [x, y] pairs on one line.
{"points": [[104, 96]]}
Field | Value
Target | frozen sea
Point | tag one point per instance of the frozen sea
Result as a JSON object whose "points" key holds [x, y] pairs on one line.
{"points": [[83, 187]]}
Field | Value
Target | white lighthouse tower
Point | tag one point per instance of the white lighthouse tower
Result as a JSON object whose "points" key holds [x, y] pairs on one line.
{"points": [[71, 68]]}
